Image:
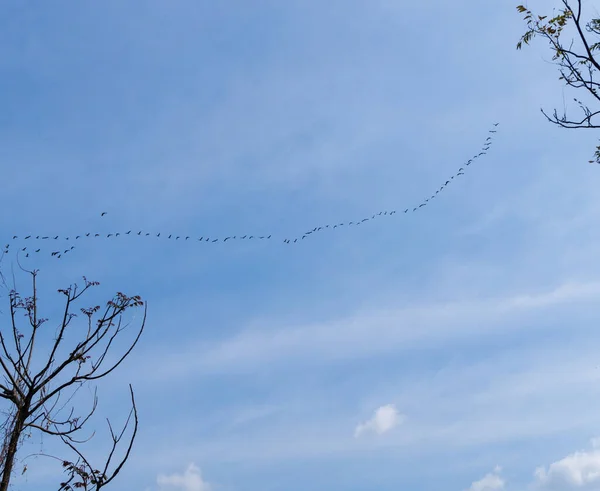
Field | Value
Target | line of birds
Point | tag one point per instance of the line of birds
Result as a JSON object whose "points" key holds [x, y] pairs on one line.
{"points": [[60, 252]]}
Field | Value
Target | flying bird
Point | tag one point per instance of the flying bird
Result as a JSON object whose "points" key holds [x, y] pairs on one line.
{"points": [[103, 213]]}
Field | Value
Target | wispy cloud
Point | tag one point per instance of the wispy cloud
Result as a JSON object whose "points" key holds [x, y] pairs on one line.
{"points": [[371, 332]]}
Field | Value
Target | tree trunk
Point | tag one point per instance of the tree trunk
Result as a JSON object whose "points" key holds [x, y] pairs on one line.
{"points": [[11, 448]]}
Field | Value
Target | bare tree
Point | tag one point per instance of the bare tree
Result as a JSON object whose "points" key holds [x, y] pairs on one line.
{"points": [[576, 56], [39, 384]]}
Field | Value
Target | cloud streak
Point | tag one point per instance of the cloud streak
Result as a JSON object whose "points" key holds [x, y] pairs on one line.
{"points": [[373, 332]]}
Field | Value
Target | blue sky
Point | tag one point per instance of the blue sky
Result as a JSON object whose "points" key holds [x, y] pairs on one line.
{"points": [[453, 348]]}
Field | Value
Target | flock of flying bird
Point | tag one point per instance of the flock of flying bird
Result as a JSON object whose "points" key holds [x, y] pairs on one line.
{"points": [[27, 250]]}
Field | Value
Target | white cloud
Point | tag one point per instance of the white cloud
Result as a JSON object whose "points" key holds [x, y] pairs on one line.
{"points": [[384, 419], [190, 480], [490, 482], [578, 471]]}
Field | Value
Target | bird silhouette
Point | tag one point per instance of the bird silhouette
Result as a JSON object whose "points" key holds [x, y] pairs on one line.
{"points": [[461, 171], [103, 213]]}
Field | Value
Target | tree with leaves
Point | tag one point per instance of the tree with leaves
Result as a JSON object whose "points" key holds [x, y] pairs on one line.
{"points": [[42, 371], [574, 43]]}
